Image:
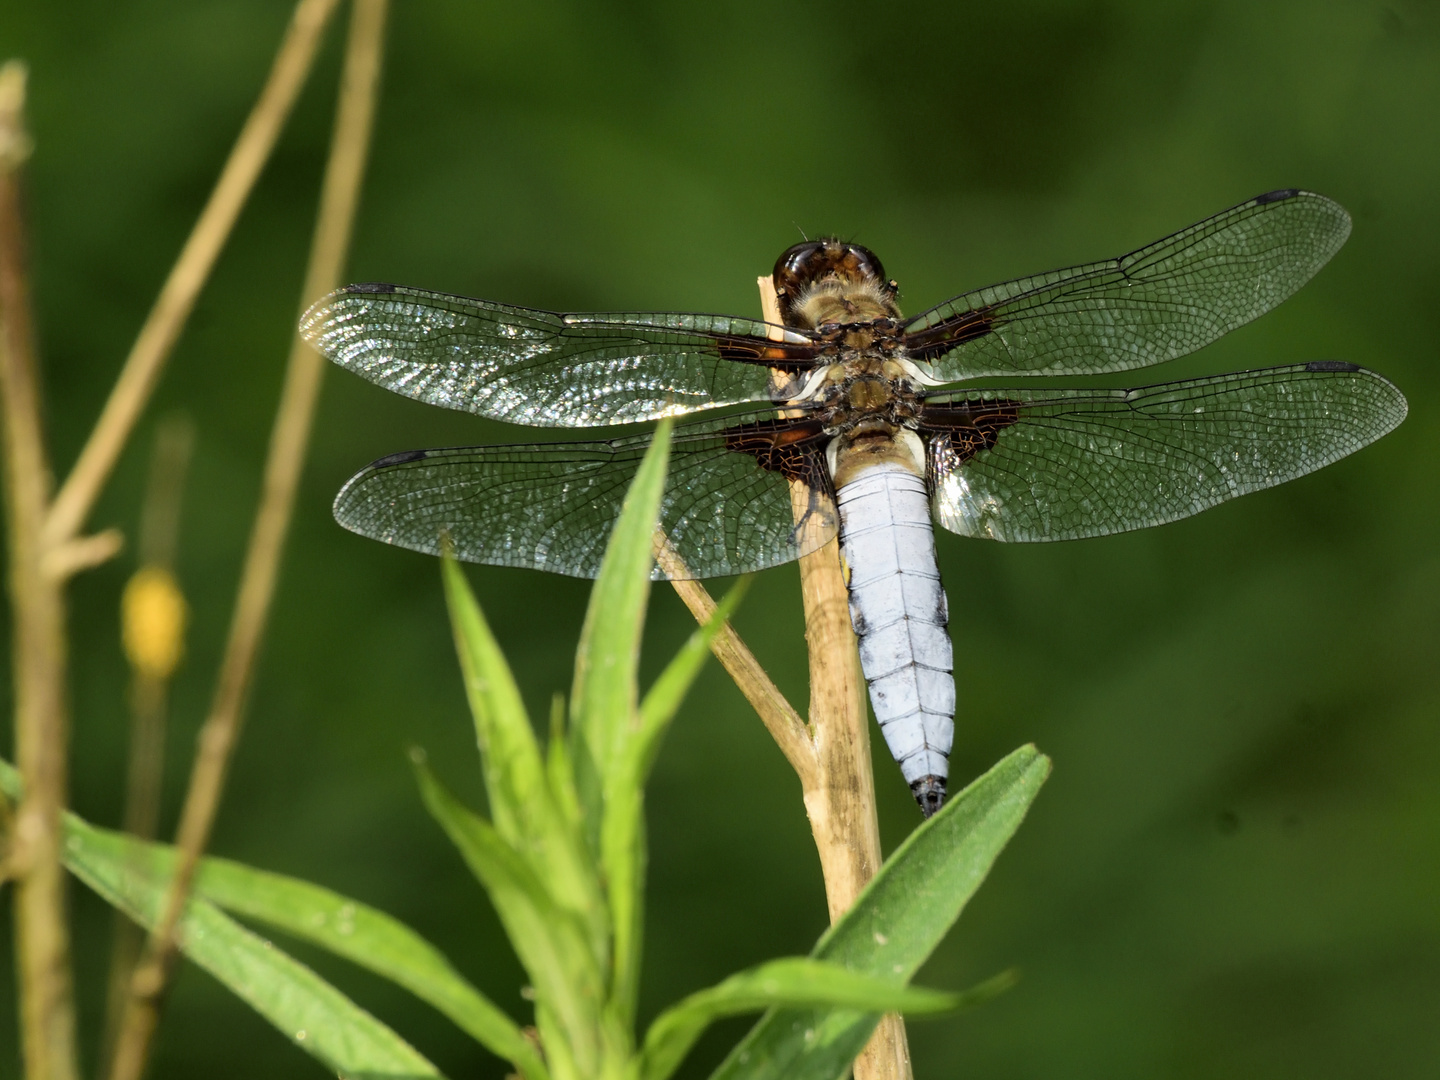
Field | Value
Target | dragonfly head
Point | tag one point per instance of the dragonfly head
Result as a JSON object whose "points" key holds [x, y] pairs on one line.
{"points": [[829, 281]]}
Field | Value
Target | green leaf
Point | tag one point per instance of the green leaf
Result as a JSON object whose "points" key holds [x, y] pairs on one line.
{"points": [[371, 939], [796, 981], [603, 699], [896, 922], [304, 1007], [349, 929], [549, 939], [560, 769], [514, 775], [527, 812], [622, 839]]}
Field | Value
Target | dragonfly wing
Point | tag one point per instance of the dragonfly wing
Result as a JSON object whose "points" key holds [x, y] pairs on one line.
{"points": [[1162, 301], [1023, 465], [728, 506], [544, 368]]}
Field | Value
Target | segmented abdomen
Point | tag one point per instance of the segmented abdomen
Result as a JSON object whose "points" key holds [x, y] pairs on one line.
{"points": [[898, 609]]}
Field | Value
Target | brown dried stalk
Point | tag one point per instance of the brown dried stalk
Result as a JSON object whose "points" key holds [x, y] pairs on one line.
{"points": [[777, 714], [840, 799], [153, 630], [191, 270], [831, 754], [45, 546], [288, 441], [47, 1008]]}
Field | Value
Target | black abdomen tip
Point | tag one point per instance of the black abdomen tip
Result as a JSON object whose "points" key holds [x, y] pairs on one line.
{"points": [[929, 792]]}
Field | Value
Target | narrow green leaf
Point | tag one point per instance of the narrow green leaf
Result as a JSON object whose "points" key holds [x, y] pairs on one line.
{"points": [[524, 806], [373, 940], [896, 922], [549, 939], [622, 839], [359, 933], [795, 981], [603, 699], [310, 1012], [514, 777], [561, 770]]}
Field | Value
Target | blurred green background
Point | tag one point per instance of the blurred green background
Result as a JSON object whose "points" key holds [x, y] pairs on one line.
{"points": [[1234, 869]]}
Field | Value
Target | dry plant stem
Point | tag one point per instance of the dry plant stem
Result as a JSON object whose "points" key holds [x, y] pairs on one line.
{"points": [[147, 735], [177, 297], [149, 693], [67, 558], [777, 714], [840, 797], [160, 513], [289, 437], [47, 1010], [832, 755]]}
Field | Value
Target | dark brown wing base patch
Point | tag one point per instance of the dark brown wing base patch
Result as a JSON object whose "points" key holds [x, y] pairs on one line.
{"points": [[773, 354], [796, 450], [792, 448], [935, 341], [971, 426]]}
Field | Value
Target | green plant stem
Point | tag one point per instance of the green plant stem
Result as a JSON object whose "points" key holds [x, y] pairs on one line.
{"points": [[47, 1009]]}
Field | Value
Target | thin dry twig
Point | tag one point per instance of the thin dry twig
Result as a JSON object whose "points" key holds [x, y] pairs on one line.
{"points": [[776, 713], [65, 560], [841, 801], [288, 441], [153, 623], [47, 1010], [191, 270], [831, 755]]}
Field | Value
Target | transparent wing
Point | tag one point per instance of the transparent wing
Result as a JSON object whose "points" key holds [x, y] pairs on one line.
{"points": [[548, 369], [1057, 465], [1152, 305], [728, 506]]}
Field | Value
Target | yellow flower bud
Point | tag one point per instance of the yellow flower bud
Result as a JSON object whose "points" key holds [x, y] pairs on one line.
{"points": [[152, 622]]}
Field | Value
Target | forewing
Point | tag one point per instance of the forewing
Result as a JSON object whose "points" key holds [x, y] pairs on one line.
{"points": [[1162, 301], [727, 507], [544, 368], [1057, 465]]}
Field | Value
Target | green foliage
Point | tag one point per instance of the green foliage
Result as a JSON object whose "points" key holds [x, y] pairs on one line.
{"points": [[897, 921], [1236, 877], [793, 981], [321, 1020], [562, 859]]}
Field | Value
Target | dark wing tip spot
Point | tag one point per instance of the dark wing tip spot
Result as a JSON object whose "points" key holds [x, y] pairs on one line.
{"points": [[399, 458], [1276, 196], [1331, 365], [369, 287]]}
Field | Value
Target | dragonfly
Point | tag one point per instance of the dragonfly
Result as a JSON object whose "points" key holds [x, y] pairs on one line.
{"points": [[848, 419]]}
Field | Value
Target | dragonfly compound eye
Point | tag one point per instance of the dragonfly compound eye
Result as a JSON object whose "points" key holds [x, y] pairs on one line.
{"points": [[813, 261]]}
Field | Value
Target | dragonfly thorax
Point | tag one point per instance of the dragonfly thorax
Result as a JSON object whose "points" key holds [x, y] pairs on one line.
{"points": [[864, 388]]}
